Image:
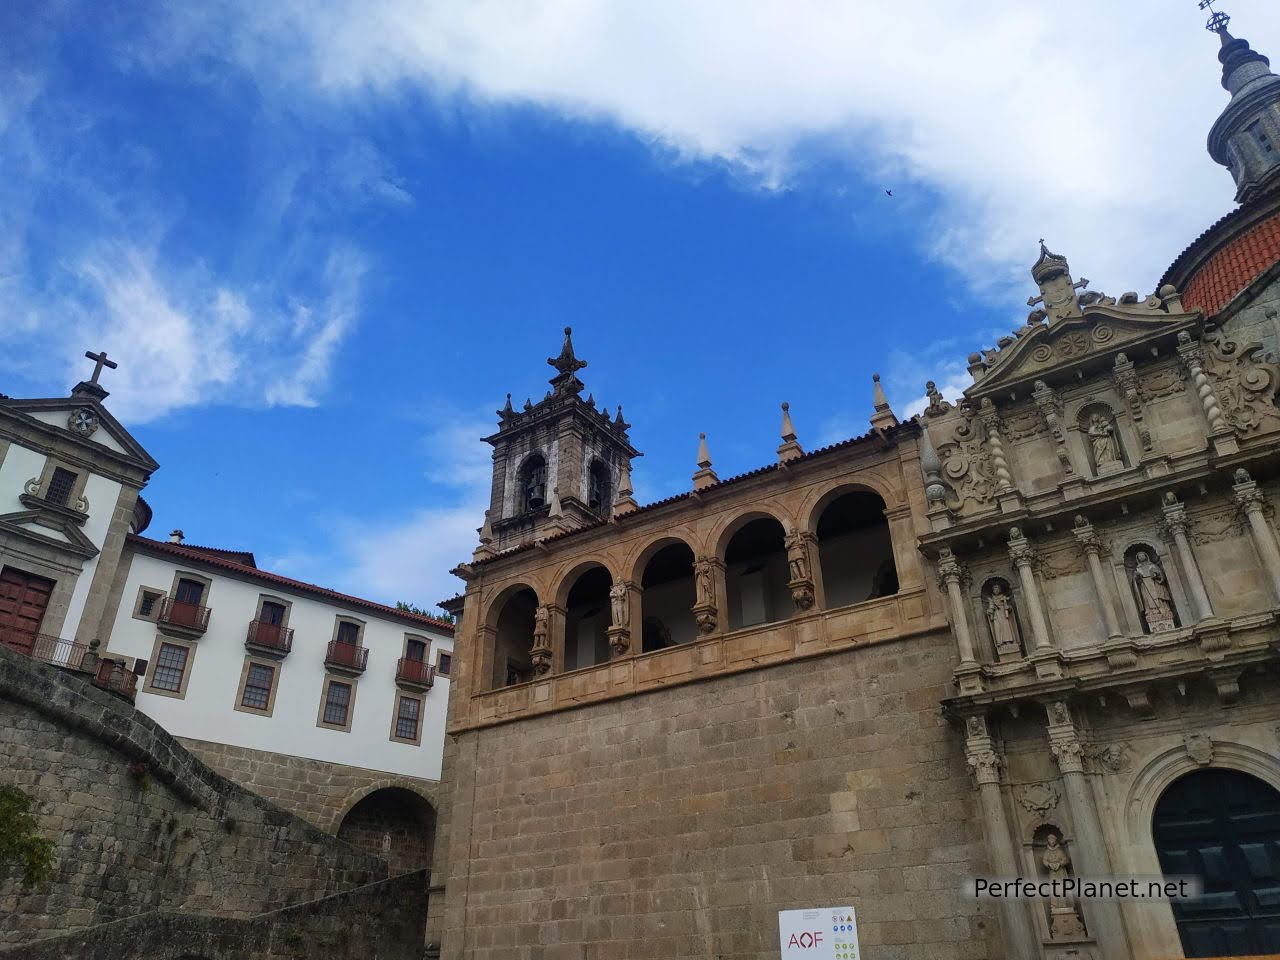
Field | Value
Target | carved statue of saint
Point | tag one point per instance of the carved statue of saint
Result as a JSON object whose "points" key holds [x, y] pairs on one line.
{"points": [[1064, 922], [1152, 588], [1102, 438], [705, 589], [797, 556], [1004, 625], [618, 602], [540, 627]]}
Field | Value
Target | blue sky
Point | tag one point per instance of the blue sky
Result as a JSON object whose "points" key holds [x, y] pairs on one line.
{"points": [[324, 243]]}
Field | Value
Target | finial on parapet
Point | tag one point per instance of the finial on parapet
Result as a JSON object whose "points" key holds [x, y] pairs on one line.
{"points": [[705, 476], [935, 490], [790, 448], [486, 540], [566, 382], [883, 418], [619, 423], [507, 411], [625, 500], [1052, 275]]}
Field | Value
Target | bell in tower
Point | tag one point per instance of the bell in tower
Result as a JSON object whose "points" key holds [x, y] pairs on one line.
{"points": [[557, 463]]}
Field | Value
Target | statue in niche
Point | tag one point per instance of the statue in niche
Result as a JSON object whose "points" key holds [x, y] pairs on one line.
{"points": [[797, 558], [1102, 441], [618, 603], [386, 845], [706, 593], [1002, 621], [1152, 589], [1064, 922]]}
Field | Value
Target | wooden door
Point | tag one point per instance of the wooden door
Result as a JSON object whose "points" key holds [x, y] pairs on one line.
{"points": [[24, 598], [1223, 826]]}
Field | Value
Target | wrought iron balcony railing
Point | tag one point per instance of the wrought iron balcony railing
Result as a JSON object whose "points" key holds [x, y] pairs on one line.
{"points": [[415, 673], [189, 617], [269, 637], [346, 656]]}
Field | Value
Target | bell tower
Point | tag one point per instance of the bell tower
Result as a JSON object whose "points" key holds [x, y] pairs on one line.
{"points": [[558, 464], [1246, 137]]}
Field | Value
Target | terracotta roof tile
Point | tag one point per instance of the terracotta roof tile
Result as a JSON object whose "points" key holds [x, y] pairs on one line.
{"points": [[210, 557], [1232, 268]]}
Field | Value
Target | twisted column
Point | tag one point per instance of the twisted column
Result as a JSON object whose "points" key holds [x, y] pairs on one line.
{"points": [[991, 423], [1192, 355]]}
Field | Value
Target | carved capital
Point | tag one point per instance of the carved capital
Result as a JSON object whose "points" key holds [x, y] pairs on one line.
{"points": [[1020, 550], [1087, 537], [949, 568], [1068, 753], [1175, 516], [984, 763]]}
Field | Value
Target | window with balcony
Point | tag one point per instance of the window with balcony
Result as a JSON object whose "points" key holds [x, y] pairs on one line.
{"points": [[269, 632], [346, 652], [185, 610]]}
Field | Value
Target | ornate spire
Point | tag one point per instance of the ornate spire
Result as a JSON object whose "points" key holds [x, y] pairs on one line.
{"points": [[566, 382], [625, 499], [705, 477], [884, 416], [1246, 137], [931, 466], [619, 423], [790, 448]]}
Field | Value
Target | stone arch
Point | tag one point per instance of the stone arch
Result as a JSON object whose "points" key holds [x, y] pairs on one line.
{"points": [[727, 527], [640, 558], [599, 481], [568, 576], [818, 500], [854, 559], [395, 823], [664, 573], [581, 633], [509, 624], [532, 491], [752, 548]]}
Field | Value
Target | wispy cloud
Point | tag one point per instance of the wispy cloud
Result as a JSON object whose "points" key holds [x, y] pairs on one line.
{"points": [[989, 119]]}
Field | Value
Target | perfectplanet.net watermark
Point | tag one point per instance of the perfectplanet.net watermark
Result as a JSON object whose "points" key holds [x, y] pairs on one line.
{"points": [[1086, 888]]}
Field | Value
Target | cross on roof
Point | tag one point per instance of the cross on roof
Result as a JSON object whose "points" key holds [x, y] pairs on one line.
{"points": [[101, 360]]}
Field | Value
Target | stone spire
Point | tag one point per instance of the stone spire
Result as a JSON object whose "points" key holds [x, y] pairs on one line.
{"points": [[931, 466], [625, 499], [883, 418], [1246, 137], [789, 449], [566, 382], [705, 477]]}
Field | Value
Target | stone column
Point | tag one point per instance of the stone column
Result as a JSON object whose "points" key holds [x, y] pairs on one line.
{"points": [[980, 752], [1093, 551], [991, 423], [1192, 356], [1023, 556], [949, 576], [1175, 516], [1253, 505], [1102, 917]]}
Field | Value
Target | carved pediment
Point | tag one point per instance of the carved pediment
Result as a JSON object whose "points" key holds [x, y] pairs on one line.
{"points": [[63, 535], [1053, 352], [85, 421]]}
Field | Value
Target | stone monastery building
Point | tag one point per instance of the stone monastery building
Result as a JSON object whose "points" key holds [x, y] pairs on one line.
{"points": [[1032, 632]]}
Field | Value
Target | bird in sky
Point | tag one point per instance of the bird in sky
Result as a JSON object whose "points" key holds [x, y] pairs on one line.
{"points": [[889, 193]]}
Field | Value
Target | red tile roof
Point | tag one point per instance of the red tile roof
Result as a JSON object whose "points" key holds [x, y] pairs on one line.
{"points": [[237, 556], [210, 556], [1232, 268]]}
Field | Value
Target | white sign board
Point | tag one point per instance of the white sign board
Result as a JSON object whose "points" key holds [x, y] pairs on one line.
{"points": [[829, 933]]}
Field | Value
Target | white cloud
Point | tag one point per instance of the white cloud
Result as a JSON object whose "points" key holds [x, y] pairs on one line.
{"points": [[1005, 121]]}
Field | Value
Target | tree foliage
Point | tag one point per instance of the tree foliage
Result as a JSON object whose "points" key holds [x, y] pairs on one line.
{"points": [[414, 608], [21, 847]]}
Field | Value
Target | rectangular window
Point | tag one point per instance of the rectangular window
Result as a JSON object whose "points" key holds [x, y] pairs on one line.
{"points": [[257, 687], [445, 664], [170, 666], [348, 632], [60, 486], [415, 650], [189, 591], [1260, 136], [147, 605], [336, 704], [407, 718]]}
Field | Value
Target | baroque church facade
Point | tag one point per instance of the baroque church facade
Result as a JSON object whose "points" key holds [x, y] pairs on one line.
{"points": [[1032, 632]]}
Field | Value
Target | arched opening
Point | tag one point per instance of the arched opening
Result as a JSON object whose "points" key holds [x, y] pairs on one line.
{"points": [[395, 824], [669, 595], [599, 487], [532, 490], [1223, 826], [756, 574], [512, 662], [855, 552], [586, 620]]}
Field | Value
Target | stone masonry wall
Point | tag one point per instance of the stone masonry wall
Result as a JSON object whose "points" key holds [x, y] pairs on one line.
{"points": [[319, 792], [677, 823], [140, 824], [381, 921]]}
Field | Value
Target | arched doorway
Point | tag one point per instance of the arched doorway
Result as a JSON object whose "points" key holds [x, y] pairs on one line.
{"points": [[512, 661], [586, 620], [668, 598], [1223, 826], [395, 824]]}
